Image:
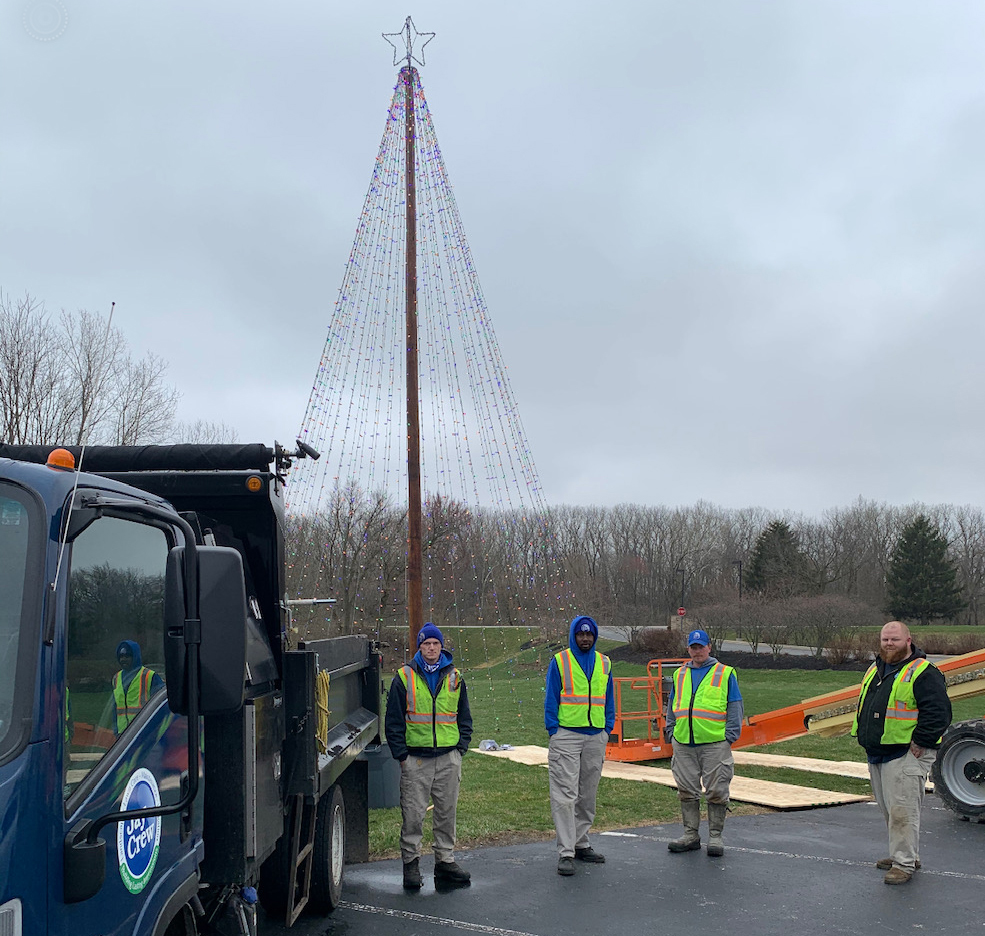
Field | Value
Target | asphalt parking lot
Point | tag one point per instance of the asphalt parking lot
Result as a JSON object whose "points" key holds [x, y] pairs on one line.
{"points": [[809, 872]]}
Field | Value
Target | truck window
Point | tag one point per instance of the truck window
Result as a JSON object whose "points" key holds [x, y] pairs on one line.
{"points": [[16, 521], [115, 661]]}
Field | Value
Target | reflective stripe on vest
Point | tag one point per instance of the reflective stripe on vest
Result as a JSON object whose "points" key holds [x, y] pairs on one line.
{"points": [[701, 715], [432, 721], [137, 696], [582, 705], [901, 714]]}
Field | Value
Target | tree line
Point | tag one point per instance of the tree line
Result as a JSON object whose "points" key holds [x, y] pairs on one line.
{"points": [[632, 566]]}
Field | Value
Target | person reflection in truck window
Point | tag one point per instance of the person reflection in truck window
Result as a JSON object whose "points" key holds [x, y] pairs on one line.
{"points": [[133, 685]]}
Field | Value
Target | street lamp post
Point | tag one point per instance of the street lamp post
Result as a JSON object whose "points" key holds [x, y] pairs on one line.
{"points": [[738, 562], [683, 573]]}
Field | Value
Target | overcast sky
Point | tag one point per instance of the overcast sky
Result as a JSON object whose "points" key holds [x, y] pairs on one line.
{"points": [[732, 251]]}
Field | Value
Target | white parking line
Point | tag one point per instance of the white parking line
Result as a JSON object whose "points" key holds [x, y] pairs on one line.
{"points": [[434, 920], [841, 861]]}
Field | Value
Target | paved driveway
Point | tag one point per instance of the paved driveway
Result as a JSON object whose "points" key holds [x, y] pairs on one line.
{"points": [[808, 873]]}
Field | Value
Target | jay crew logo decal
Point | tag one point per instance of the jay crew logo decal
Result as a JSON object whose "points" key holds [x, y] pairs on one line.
{"points": [[138, 840]]}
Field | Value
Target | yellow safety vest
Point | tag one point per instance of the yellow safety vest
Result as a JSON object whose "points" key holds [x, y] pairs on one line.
{"points": [[901, 710], [432, 721], [136, 697], [582, 705], [705, 713]]}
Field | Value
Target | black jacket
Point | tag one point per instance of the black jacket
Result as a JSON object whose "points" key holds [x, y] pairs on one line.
{"points": [[396, 720], [930, 692]]}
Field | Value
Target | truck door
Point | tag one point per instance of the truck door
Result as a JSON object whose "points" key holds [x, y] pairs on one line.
{"points": [[125, 748]]}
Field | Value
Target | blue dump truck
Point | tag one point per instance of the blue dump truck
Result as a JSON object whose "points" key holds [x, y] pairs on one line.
{"points": [[165, 755]]}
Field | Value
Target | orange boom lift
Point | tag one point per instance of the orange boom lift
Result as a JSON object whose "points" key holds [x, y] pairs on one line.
{"points": [[642, 700]]}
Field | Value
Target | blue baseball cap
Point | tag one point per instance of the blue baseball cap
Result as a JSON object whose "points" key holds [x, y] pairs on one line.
{"points": [[698, 637]]}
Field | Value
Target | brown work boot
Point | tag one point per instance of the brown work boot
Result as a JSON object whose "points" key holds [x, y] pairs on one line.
{"points": [[897, 876], [884, 864], [690, 840]]}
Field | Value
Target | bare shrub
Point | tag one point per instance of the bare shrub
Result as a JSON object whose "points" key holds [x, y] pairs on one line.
{"points": [[950, 644], [660, 643], [850, 648]]}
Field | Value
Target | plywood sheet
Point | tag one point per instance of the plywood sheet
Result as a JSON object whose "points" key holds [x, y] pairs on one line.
{"points": [[759, 792], [857, 769]]}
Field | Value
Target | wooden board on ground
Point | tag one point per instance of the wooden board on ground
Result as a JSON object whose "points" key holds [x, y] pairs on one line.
{"points": [[859, 770], [744, 789]]}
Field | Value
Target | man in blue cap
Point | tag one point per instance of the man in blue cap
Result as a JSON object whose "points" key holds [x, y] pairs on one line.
{"points": [[428, 727], [704, 719], [579, 713]]}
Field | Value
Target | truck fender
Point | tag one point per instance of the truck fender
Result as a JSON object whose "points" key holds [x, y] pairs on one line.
{"points": [[172, 907]]}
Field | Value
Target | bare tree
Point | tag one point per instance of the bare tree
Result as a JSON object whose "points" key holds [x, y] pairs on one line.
{"points": [[76, 382], [205, 432], [30, 381]]}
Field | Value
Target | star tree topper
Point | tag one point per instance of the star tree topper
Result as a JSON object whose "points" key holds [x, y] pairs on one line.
{"points": [[409, 37]]}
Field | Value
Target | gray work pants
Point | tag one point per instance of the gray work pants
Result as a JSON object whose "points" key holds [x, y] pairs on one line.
{"points": [[709, 765], [574, 763], [898, 786], [423, 780]]}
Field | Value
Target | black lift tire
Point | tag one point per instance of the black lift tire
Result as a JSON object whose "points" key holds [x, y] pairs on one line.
{"points": [[328, 870], [959, 771]]}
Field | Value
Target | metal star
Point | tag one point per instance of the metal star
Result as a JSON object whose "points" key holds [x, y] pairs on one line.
{"points": [[409, 36]]}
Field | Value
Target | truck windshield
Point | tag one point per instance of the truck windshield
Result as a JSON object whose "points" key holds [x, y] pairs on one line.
{"points": [[19, 531]]}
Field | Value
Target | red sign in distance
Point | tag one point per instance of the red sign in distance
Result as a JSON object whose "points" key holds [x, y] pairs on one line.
{"points": [[681, 612]]}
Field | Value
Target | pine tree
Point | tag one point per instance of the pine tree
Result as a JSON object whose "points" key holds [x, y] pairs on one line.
{"points": [[777, 568], [921, 584]]}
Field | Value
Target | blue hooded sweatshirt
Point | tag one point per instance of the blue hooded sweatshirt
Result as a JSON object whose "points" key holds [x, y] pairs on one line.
{"points": [[552, 694], [156, 682]]}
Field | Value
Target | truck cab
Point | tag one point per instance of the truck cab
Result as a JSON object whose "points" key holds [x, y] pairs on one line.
{"points": [[160, 751]]}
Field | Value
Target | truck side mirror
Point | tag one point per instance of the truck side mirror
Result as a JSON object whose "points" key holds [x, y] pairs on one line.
{"points": [[222, 609], [85, 864]]}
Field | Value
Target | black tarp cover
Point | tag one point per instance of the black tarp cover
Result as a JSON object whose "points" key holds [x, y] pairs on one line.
{"points": [[118, 458]]}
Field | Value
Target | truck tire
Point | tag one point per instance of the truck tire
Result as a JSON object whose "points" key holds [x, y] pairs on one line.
{"points": [[328, 870], [959, 771]]}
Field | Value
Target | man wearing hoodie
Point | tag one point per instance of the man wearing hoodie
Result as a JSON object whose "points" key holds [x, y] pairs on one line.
{"points": [[428, 729], [579, 712], [704, 719], [903, 709], [133, 685]]}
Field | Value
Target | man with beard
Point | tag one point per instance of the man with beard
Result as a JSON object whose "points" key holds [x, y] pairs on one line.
{"points": [[903, 710]]}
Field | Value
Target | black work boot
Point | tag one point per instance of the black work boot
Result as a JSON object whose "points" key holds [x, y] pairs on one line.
{"points": [[451, 872], [589, 854], [412, 875]]}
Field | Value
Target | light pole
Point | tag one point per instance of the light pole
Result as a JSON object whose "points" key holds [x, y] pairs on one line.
{"points": [[738, 562], [683, 573]]}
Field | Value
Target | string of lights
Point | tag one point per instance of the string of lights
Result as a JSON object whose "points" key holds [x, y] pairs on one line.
{"points": [[488, 551]]}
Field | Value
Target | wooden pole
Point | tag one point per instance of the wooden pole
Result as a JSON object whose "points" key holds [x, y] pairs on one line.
{"points": [[415, 595]]}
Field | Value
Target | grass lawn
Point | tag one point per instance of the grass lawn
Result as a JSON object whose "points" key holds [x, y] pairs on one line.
{"points": [[501, 801]]}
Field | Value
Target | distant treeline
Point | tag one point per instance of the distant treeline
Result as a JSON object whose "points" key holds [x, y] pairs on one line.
{"points": [[631, 565]]}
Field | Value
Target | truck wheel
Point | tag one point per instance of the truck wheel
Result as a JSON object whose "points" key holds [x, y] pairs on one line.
{"points": [[959, 771], [329, 854]]}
